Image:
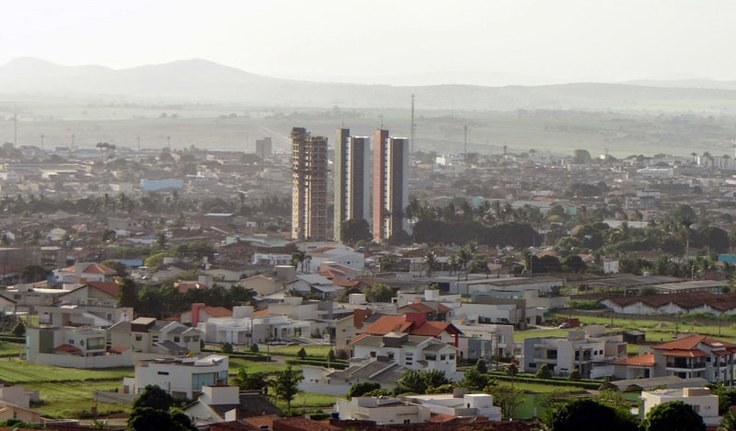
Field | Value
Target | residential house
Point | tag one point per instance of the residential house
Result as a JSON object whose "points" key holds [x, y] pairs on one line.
{"points": [[71, 347], [221, 403], [411, 351], [82, 272], [700, 399], [485, 341], [147, 337], [202, 313], [348, 327], [382, 410], [180, 377], [246, 329], [9, 411], [696, 356], [589, 351], [104, 293], [459, 404], [334, 253], [97, 316], [414, 324]]}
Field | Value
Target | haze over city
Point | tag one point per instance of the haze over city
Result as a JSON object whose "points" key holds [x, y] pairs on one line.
{"points": [[408, 42], [380, 215]]}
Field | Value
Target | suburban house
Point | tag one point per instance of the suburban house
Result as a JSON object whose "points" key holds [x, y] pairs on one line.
{"points": [[268, 283], [82, 272], [347, 328], [415, 352], [700, 399], [242, 329], [98, 316], [696, 356], [589, 351], [335, 253], [202, 313], [73, 347], [227, 403], [382, 410], [414, 324], [458, 404], [485, 341], [180, 377], [149, 336], [10, 411], [92, 293]]}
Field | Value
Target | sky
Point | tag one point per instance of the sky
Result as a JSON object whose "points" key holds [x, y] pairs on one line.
{"points": [[503, 42]]}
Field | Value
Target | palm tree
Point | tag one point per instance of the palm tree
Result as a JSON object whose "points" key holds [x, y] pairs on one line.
{"points": [[452, 262], [430, 260], [297, 258]]}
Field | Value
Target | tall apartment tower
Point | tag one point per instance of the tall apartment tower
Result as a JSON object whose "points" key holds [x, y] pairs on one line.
{"points": [[264, 148], [351, 178], [309, 186], [390, 184]]}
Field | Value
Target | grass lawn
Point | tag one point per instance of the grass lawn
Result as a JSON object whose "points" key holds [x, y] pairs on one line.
{"points": [[18, 371], [68, 400], [520, 336], [256, 367], [310, 401], [11, 349], [318, 350], [658, 330]]}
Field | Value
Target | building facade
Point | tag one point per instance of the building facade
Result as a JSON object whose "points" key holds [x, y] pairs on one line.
{"points": [[309, 186], [264, 148], [351, 178], [390, 185]]}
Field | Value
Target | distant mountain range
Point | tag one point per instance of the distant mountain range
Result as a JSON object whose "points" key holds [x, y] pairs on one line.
{"points": [[192, 81]]}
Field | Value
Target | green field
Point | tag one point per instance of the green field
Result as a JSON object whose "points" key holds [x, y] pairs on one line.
{"points": [[13, 370], [520, 336], [256, 367], [11, 349], [74, 399], [317, 351]]}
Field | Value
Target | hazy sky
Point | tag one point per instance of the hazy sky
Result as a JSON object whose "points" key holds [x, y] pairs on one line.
{"points": [[555, 40]]}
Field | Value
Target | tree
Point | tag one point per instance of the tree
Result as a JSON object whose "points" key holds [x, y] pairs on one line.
{"points": [[544, 372], [119, 267], [360, 389], [355, 230], [147, 419], [301, 354], [33, 273], [474, 379], [729, 421], [673, 416], [586, 414], [411, 382], [286, 385], [429, 260], [481, 366], [249, 382], [379, 293], [507, 397], [581, 157], [574, 375], [227, 348], [19, 329], [155, 398]]}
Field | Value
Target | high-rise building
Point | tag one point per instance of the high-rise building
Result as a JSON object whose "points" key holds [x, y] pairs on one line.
{"points": [[351, 178], [309, 186], [264, 148], [390, 185]]}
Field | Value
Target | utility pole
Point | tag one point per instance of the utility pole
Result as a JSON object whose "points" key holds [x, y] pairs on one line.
{"points": [[465, 142], [15, 129]]}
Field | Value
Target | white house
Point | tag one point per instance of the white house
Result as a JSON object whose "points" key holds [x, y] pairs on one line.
{"points": [[415, 352], [459, 404], [147, 335], [181, 377], [225, 404], [701, 400], [591, 353], [382, 410], [73, 347]]}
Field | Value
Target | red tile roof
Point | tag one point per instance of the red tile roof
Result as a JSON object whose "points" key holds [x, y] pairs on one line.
{"points": [[217, 311], [677, 353], [685, 343], [67, 348], [386, 324], [96, 268], [109, 287], [434, 329], [645, 360]]}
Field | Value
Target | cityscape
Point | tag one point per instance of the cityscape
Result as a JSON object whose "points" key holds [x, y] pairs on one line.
{"points": [[291, 237]]}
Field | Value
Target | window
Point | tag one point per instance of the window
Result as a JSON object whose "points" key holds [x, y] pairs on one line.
{"points": [[532, 365], [452, 357], [138, 337], [163, 373], [443, 357], [81, 343], [177, 339], [430, 357], [373, 354], [195, 338], [390, 355], [409, 359], [71, 342], [154, 339], [407, 421]]}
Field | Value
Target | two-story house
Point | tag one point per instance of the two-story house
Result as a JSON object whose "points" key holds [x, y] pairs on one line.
{"points": [[696, 356], [180, 377], [415, 352], [149, 336]]}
